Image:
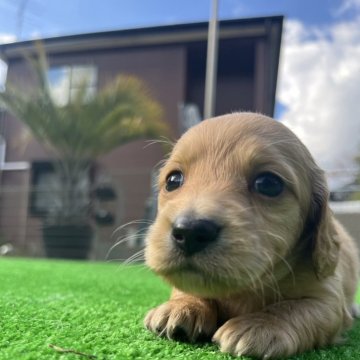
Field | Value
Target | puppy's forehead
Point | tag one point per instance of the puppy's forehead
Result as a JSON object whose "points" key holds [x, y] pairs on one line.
{"points": [[253, 137]]}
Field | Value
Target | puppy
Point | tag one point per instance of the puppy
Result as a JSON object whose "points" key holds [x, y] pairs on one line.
{"points": [[245, 236]]}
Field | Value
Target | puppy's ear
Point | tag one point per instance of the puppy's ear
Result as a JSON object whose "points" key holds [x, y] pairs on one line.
{"points": [[323, 236]]}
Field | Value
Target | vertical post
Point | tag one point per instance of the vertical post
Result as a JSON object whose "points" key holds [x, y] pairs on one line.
{"points": [[211, 63], [20, 18]]}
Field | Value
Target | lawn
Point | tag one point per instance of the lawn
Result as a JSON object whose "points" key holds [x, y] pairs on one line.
{"points": [[96, 310]]}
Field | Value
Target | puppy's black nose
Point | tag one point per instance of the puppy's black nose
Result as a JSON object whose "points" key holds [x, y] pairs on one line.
{"points": [[192, 236]]}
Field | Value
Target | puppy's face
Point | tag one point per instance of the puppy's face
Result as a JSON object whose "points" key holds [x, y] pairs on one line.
{"points": [[234, 197]]}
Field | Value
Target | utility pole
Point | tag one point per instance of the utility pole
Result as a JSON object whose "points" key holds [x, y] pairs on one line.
{"points": [[20, 17], [211, 62]]}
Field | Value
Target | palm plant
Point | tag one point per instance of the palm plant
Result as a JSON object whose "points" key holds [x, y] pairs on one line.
{"points": [[82, 130]]}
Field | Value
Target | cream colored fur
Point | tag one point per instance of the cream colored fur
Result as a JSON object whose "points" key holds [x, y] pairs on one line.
{"points": [[282, 276]]}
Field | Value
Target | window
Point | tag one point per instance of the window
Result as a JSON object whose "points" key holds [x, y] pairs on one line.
{"points": [[65, 82], [47, 192]]}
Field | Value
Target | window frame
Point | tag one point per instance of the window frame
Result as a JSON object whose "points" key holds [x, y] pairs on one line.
{"points": [[73, 84]]}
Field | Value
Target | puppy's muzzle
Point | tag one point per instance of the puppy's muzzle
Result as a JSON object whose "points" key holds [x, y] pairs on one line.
{"points": [[194, 235]]}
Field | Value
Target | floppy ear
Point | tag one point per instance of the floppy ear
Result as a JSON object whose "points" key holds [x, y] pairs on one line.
{"points": [[323, 236]]}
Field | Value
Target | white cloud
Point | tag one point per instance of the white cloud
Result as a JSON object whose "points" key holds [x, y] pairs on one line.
{"points": [[7, 38], [35, 35], [347, 6], [320, 88]]}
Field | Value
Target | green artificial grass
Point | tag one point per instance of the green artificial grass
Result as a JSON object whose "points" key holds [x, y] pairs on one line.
{"points": [[97, 310]]}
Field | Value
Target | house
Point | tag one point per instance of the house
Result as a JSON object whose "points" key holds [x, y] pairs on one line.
{"points": [[171, 60]]}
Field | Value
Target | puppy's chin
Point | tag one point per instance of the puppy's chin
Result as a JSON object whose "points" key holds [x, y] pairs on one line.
{"points": [[193, 280]]}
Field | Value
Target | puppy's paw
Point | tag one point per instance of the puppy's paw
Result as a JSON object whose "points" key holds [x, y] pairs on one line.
{"points": [[258, 335], [183, 321]]}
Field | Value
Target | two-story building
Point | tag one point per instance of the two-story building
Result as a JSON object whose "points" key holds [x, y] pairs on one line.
{"points": [[171, 60]]}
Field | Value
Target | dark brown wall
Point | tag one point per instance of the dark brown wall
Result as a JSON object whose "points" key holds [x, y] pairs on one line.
{"points": [[174, 74], [235, 75], [162, 70], [128, 167]]}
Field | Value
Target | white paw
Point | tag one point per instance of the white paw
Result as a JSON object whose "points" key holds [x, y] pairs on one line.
{"points": [[259, 335], [178, 320]]}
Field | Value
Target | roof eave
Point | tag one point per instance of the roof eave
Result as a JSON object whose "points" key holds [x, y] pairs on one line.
{"points": [[151, 36]]}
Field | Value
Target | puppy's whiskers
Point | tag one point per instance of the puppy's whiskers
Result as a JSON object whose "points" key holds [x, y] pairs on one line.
{"points": [[133, 236], [138, 256], [256, 284], [285, 246], [274, 236], [134, 222], [272, 284], [162, 141], [287, 265]]}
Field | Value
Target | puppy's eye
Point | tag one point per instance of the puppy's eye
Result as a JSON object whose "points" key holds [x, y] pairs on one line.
{"points": [[174, 180], [268, 184]]}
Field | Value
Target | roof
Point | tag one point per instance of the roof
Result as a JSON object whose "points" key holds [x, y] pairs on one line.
{"points": [[146, 36]]}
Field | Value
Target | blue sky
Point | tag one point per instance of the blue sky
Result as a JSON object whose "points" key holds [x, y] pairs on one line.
{"points": [[319, 77], [58, 17]]}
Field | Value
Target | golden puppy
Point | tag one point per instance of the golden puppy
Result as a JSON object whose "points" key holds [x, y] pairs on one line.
{"points": [[245, 236]]}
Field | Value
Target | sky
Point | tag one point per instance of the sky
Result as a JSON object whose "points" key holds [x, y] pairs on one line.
{"points": [[318, 93]]}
